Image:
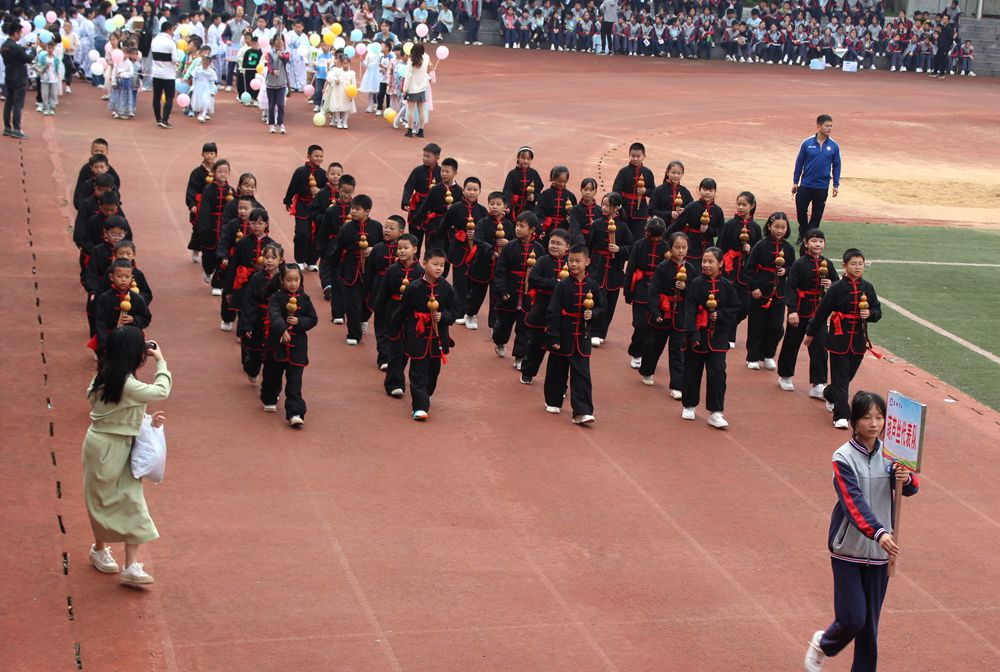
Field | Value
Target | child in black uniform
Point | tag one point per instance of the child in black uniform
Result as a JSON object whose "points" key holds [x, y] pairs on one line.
{"points": [[382, 257], [765, 272], [608, 251], [576, 302], [644, 258], [551, 204], [493, 232], [291, 314], [510, 287], [420, 182], [118, 306], [542, 280], [711, 305], [245, 262], [390, 291], [523, 184], [635, 183], [459, 227], [200, 177], [355, 241], [254, 316], [701, 221], [302, 189], [214, 198], [671, 197], [737, 238], [584, 213], [338, 212]]}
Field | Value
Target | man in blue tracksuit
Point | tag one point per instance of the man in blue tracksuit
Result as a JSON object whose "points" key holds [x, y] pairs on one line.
{"points": [[819, 156]]}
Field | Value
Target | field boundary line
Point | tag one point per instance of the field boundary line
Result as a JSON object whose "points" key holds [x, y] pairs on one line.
{"points": [[942, 332], [869, 262]]}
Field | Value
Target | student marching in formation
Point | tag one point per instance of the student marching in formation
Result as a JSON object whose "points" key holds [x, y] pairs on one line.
{"points": [[542, 280], [418, 185], [700, 220], [254, 317], [737, 238], [334, 217], [440, 197], [609, 245], [302, 189], [585, 213], [634, 183], [322, 202], [523, 183], [492, 234], [459, 226], [554, 204], [510, 287], [247, 258], [200, 177], [397, 278], [353, 246], [765, 272], [214, 197], [671, 197], [382, 257], [644, 258]]}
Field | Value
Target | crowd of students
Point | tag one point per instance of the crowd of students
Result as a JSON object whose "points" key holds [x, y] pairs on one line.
{"points": [[548, 267]]}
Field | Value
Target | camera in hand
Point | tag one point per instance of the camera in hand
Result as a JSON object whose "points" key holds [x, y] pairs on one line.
{"points": [[151, 345]]}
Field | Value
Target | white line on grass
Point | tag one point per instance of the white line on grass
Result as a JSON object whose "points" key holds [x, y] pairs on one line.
{"points": [[930, 263], [938, 330]]}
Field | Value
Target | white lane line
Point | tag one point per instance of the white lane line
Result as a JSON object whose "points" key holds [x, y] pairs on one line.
{"points": [[938, 330], [869, 262]]}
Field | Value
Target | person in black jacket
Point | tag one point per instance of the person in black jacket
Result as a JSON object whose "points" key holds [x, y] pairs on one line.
{"points": [[765, 272], [945, 41], [15, 60], [291, 314]]}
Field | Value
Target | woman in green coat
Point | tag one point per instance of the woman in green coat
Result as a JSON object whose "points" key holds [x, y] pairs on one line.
{"points": [[115, 502]]}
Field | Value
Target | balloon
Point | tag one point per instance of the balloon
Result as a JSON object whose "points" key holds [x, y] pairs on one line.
{"points": [[183, 99], [182, 45], [339, 43], [375, 48], [119, 20], [356, 35], [66, 43], [185, 30], [421, 30], [442, 52], [337, 29], [260, 68], [44, 36], [314, 39], [117, 56], [50, 17], [39, 22], [319, 119], [182, 86], [93, 55], [390, 115], [360, 49], [401, 69], [245, 98], [351, 90], [407, 48], [255, 84], [349, 51], [258, 2], [328, 38], [308, 90], [103, 63], [96, 69]]}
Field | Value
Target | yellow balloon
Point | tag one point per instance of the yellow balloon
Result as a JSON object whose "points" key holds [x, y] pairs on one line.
{"points": [[328, 38], [260, 68], [407, 48], [337, 29], [185, 30], [182, 45], [351, 91], [119, 20], [390, 115], [314, 39], [319, 119], [66, 43]]}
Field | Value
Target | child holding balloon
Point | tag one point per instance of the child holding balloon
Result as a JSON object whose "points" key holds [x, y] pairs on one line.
{"points": [[120, 103], [51, 72], [341, 85]]}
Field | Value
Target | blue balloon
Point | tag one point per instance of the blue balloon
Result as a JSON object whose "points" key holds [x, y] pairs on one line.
{"points": [[356, 35], [44, 36], [258, 2], [375, 48], [39, 22], [349, 51], [245, 98], [183, 87]]}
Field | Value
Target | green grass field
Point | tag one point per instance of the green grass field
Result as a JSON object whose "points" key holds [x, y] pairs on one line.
{"points": [[961, 299]]}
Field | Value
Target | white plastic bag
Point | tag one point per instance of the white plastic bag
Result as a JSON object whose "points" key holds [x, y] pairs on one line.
{"points": [[149, 452]]}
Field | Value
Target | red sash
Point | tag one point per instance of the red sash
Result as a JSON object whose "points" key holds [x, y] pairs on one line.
{"points": [[729, 260], [243, 274], [701, 319], [666, 305]]}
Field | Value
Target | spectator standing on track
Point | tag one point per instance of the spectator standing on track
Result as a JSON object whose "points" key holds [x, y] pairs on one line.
{"points": [[15, 60], [818, 156], [861, 540], [115, 501], [609, 17], [164, 53], [945, 41]]}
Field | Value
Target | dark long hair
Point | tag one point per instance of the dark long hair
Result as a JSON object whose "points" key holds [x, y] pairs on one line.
{"points": [[124, 354], [417, 55]]}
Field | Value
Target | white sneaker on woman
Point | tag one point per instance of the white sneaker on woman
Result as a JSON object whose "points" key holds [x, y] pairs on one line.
{"points": [[103, 561], [135, 575], [814, 654], [716, 420]]}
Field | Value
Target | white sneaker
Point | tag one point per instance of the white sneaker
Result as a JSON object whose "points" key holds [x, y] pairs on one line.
{"points": [[352, 341], [226, 326], [364, 327], [270, 408], [816, 391], [753, 366], [338, 320], [103, 561], [229, 88], [919, 70], [383, 367], [902, 69], [271, 130], [216, 291], [398, 393], [501, 350], [315, 108], [69, 90], [786, 384], [732, 345], [296, 422], [135, 575], [814, 655], [471, 323], [195, 257], [647, 380], [687, 414], [892, 69], [636, 362], [716, 420], [842, 423], [972, 74], [314, 268], [770, 364], [596, 342], [553, 409], [676, 394], [460, 320], [583, 419], [829, 407], [419, 416], [517, 363], [281, 129]]}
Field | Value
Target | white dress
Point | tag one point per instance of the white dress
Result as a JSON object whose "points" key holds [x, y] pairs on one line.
{"points": [[370, 81], [335, 98], [203, 90]]}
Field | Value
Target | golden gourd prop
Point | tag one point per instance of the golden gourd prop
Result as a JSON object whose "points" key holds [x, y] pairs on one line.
{"points": [[711, 305], [824, 273], [612, 228], [362, 245], [123, 309], [470, 231], [448, 198], [432, 308], [705, 218], [588, 301], [563, 271]]}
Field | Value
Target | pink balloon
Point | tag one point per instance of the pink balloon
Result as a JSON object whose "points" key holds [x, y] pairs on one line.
{"points": [[309, 90], [107, 48], [183, 99], [103, 62], [421, 30], [117, 56], [50, 17], [255, 84], [442, 52], [360, 49]]}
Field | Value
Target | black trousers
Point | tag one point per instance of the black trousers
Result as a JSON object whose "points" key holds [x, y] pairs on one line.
{"points": [[506, 322], [460, 280], [395, 378], [381, 340], [611, 303], [607, 39], [790, 352], [12, 107], [163, 87], [764, 330], [535, 352], [329, 276], [423, 381], [270, 387], [476, 297], [714, 364], [655, 344], [640, 330], [743, 292], [804, 197], [210, 265], [226, 310], [858, 593], [252, 360], [842, 371], [355, 309], [576, 370], [941, 62], [302, 242]]}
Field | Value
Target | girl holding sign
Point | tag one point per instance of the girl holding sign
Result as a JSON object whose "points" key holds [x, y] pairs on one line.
{"points": [[861, 541]]}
